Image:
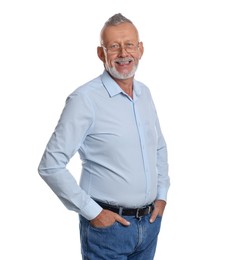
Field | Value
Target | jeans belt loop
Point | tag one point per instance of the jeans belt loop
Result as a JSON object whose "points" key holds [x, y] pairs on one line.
{"points": [[137, 215], [120, 211]]}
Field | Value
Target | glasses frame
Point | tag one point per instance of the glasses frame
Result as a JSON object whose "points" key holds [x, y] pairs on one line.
{"points": [[117, 50]]}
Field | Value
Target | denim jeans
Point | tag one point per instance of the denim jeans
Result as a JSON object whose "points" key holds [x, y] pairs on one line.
{"points": [[135, 242]]}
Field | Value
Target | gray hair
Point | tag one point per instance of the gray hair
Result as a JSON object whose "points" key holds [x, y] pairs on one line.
{"points": [[117, 19], [113, 21]]}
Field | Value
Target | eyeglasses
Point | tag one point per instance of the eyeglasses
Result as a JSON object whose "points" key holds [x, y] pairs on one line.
{"points": [[115, 48]]}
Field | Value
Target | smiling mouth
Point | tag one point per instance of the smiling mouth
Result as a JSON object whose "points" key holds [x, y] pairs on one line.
{"points": [[123, 62]]}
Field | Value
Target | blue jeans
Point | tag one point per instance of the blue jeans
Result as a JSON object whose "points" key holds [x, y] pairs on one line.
{"points": [[135, 242]]}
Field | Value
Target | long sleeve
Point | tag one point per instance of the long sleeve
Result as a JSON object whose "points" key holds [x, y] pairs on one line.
{"points": [[162, 166], [72, 128]]}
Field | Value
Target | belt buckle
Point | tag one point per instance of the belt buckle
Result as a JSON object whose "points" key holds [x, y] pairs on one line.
{"points": [[146, 210]]}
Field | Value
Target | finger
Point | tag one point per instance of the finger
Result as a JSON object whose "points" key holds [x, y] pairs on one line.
{"points": [[122, 220], [153, 216]]}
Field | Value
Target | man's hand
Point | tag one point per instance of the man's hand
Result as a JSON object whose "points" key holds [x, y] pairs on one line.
{"points": [[107, 218], [159, 209]]}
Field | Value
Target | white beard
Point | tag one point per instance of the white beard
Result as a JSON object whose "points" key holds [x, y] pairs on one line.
{"points": [[115, 74]]}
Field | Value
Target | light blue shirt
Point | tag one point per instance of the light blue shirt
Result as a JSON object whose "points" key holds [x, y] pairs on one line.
{"points": [[123, 152]]}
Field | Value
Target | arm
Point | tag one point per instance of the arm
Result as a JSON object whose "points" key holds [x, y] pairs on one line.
{"points": [[162, 166], [163, 177], [71, 130]]}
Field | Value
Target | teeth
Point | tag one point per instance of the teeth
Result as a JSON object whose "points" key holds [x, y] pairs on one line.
{"points": [[124, 62]]}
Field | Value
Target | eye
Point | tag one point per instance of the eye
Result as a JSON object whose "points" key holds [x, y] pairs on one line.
{"points": [[114, 46], [130, 45]]}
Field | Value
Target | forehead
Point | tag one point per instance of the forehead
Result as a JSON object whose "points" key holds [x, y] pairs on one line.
{"points": [[121, 32]]}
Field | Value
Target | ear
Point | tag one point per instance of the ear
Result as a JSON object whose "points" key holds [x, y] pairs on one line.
{"points": [[141, 50], [101, 54]]}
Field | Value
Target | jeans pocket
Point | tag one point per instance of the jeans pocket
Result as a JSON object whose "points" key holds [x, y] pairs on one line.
{"points": [[103, 228]]}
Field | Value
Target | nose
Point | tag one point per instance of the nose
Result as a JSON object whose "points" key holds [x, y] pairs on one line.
{"points": [[123, 51]]}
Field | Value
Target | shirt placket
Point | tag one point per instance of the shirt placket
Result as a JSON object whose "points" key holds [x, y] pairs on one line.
{"points": [[141, 135]]}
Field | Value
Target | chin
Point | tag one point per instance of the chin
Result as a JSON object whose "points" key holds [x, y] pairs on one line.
{"points": [[115, 74]]}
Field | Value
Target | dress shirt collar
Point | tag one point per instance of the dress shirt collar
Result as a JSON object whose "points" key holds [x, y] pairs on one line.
{"points": [[114, 89]]}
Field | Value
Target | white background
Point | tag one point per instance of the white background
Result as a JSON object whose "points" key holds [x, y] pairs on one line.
{"points": [[48, 48]]}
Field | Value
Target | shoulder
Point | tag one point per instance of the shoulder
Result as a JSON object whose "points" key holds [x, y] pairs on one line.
{"points": [[87, 88], [144, 89], [80, 99]]}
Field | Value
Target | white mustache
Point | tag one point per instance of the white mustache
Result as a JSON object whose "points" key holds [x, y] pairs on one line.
{"points": [[124, 60]]}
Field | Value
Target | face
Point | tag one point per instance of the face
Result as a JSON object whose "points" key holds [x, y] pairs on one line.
{"points": [[121, 50]]}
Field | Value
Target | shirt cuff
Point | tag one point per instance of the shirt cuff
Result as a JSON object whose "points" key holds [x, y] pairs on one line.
{"points": [[162, 195], [91, 210]]}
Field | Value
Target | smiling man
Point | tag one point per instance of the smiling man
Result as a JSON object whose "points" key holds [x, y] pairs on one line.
{"points": [[122, 39], [111, 121]]}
